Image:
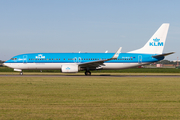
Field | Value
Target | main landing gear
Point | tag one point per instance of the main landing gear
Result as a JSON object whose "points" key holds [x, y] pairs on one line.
{"points": [[87, 73]]}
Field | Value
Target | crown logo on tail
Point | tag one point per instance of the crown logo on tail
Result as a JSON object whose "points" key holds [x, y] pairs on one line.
{"points": [[156, 40]]}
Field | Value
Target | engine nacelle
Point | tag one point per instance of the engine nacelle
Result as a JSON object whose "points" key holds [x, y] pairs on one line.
{"points": [[69, 68]]}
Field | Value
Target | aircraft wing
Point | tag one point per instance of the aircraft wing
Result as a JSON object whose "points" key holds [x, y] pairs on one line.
{"points": [[98, 63], [162, 55]]}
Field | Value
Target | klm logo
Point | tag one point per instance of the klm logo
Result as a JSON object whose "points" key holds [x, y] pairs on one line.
{"points": [[40, 56], [156, 43], [68, 68]]}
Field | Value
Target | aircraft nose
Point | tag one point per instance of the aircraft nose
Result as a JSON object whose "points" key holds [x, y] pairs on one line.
{"points": [[4, 64]]}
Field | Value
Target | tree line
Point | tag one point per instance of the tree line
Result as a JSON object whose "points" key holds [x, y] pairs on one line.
{"points": [[167, 62], [2, 61]]}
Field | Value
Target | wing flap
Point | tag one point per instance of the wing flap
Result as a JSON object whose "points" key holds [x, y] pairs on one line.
{"points": [[92, 64], [98, 63]]}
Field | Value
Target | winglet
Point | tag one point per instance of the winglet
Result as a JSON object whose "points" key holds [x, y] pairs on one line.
{"points": [[117, 53]]}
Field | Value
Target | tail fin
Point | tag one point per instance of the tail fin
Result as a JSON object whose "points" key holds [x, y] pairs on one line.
{"points": [[156, 43]]}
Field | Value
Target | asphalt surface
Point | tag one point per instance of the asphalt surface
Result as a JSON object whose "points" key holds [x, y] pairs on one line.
{"points": [[103, 75]]}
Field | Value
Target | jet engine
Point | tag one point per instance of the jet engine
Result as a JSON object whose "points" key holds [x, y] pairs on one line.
{"points": [[69, 68]]}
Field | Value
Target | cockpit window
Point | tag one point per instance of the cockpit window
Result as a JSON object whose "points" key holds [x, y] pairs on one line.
{"points": [[13, 58]]}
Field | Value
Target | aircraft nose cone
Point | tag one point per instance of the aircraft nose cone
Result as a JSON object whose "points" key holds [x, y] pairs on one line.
{"points": [[4, 64]]}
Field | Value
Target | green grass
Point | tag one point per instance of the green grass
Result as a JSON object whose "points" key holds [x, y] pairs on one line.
{"points": [[89, 98]]}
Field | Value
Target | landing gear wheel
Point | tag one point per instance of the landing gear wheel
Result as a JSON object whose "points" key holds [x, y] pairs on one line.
{"points": [[87, 73], [21, 73]]}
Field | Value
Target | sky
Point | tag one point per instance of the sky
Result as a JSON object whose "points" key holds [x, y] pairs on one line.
{"points": [[53, 26]]}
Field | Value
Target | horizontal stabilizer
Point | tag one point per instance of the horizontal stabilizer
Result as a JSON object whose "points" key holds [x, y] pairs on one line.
{"points": [[162, 55]]}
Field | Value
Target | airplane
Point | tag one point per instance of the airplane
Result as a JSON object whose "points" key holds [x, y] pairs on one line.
{"points": [[151, 52]]}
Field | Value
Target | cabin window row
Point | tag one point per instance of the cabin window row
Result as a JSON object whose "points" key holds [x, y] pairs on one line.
{"points": [[85, 59], [45, 59]]}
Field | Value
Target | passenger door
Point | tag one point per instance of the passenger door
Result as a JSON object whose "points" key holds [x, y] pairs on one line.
{"points": [[139, 59], [24, 58]]}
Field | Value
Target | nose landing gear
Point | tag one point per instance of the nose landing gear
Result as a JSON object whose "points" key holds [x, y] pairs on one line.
{"points": [[21, 73]]}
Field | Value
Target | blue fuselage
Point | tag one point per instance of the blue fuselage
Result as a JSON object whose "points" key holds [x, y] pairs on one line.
{"points": [[82, 58]]}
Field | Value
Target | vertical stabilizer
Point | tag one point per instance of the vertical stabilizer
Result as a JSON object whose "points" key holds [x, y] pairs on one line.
{"points": [[156, 43]]}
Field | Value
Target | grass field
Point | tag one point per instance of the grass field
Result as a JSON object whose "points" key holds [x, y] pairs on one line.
{"points": [[89, 98]]}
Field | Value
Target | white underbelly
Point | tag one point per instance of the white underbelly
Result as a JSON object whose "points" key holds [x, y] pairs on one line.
{"points": [[57, 66], [109, 66], [34, 66]]}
